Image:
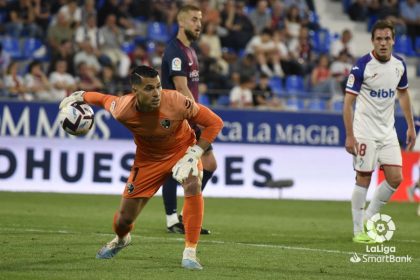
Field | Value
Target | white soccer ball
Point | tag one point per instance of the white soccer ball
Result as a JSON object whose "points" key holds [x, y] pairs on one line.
{"points": [[76, 118]]}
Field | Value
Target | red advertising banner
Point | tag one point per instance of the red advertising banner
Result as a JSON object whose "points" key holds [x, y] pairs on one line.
{"points": [[410, 162]]}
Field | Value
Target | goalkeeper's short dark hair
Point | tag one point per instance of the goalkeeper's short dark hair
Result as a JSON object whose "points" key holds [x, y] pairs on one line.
{"points": [[140, 72]]}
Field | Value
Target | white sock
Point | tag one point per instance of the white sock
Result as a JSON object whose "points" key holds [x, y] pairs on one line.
{"points": [[189, 253], [172, 219], [381, 196], [358, 200]]}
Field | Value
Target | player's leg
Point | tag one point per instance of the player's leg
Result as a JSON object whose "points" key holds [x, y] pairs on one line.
{"points": [[393, 178], [193, 219], [358, 202], [123, 223], [364, 164], [144, 181], [390, 160], [169, 191], [411, 191], [209, 166]]}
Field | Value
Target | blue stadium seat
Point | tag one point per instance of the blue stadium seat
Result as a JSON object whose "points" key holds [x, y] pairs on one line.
{"points": [[321, 40], [223, 100], [128, 47], [410, 51], [317, 105], [204, 99], [158, 31], [401, 44], [371, 21], [346, 5], [313, 17], [12, 46], [276, 84], [295, 104], [295, 85], [337, 106], [30, 45]]}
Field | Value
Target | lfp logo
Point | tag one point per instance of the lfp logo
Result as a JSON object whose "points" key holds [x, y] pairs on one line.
{"points": [[380, 227]]}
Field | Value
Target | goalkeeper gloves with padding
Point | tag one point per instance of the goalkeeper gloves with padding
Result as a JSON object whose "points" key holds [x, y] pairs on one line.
{"points": [[76, 96], [187, 164]]}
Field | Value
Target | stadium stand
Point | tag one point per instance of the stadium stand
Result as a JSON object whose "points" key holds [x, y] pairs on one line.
{"points": [[302, 30]]}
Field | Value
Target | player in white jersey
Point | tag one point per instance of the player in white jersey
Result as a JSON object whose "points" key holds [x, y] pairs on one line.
{"points": [[374, 82]]}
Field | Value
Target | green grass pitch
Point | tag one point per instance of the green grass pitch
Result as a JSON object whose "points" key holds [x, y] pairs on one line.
{"points": [[56, 236]]}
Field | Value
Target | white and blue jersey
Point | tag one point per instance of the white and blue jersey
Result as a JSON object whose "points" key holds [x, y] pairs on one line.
{"points": [[375, 84]]}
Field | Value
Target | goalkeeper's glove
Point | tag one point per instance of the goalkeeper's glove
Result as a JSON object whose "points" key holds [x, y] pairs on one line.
{"points": [[187, 164], [76, 96]]}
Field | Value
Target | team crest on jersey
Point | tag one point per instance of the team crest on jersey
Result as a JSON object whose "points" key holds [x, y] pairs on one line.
{"points": [[350, 80], [165, 123], [130, 187], [176, 64], [397, 71]]}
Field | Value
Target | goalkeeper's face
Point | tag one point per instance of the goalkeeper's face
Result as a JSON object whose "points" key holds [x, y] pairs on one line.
{"points": [[148, 93]]}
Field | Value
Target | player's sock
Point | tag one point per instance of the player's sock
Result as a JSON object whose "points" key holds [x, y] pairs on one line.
{"points": [[381, 196], [358, 200], [206, 177], [172, 219], [119, 229], [193, 218], [170, 200]]}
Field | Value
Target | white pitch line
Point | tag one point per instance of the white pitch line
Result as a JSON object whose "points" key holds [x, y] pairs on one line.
{"points": [[201, 241]]}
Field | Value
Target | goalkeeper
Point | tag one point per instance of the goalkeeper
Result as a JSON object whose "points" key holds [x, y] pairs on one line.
{"points": [[166, 146]]}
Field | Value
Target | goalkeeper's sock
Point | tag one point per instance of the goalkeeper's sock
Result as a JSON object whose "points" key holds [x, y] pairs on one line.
{"points": [[206, 177], [193, 219], [119, 229], [358, 200], [381, 196], [169, 198]]}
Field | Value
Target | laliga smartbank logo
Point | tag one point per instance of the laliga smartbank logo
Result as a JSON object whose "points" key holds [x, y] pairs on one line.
{"points": [[380, 228]]}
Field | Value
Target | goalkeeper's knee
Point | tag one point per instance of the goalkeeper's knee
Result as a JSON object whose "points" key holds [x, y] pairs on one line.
{"points": [[192, 186]]}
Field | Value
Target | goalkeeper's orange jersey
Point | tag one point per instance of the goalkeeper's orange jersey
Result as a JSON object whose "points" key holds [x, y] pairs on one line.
{"points": [[160, 134]]}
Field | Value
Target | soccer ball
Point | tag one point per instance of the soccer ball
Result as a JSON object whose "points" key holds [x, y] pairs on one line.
{"points": [[76, 118]]}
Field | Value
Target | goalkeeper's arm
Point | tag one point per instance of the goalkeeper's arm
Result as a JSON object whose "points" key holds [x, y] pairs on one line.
{"points": [[187, 165], [91, 98], [210, 123]]}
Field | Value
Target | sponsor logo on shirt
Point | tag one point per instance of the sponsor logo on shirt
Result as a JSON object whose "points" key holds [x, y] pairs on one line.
{"points": [[194, 74], [176, 64], [382, 93]]}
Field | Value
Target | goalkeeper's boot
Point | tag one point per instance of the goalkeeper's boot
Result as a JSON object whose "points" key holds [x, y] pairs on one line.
{"points": [[112, 248], [190, 260], [203, 230], [363, 238], [177, 228]]}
